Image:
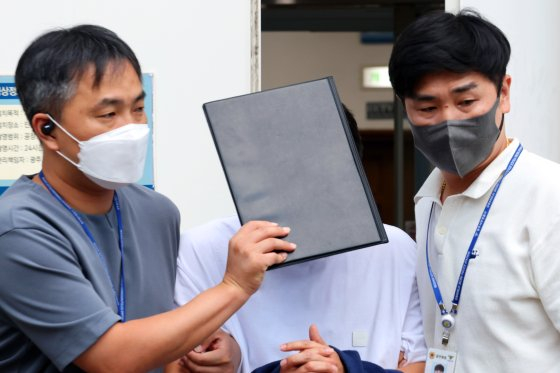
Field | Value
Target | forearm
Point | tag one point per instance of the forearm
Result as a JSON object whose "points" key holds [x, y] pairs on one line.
{"points": [[144, 344]]}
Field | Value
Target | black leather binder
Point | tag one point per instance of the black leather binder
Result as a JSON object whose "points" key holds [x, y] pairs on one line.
{"points": [[289, 157]]}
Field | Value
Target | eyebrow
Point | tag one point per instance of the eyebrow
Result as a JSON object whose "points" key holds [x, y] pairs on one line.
{"points": [[464, 88], [117, 101], [423, 98], [461, 89]]}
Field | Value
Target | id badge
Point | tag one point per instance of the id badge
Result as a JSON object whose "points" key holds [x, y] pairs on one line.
{"points": [[440, 361]]}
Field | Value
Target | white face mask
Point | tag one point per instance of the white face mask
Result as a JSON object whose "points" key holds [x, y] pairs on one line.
{"points": [[112, 159]]}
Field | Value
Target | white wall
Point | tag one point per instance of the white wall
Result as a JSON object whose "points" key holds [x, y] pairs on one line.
{"points": [[533, 31], [197, 50]]}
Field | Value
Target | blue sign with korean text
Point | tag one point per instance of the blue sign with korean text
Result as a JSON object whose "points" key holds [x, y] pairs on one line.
{"points": [[8, 91]]}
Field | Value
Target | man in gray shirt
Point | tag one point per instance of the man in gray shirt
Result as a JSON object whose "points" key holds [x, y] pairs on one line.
{"points": [[87, 259]]}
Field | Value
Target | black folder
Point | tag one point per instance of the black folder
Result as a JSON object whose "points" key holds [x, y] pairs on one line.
{"points": [[289, 157]]}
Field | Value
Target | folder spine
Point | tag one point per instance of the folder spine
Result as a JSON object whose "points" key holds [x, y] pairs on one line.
{"points": [[358, 161]]}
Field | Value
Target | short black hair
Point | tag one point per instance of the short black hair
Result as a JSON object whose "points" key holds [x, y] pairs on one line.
{"points": [[440, 41], [49, 69]]}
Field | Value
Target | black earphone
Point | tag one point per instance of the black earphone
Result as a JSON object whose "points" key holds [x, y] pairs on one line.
{"points": [[47, 128]]}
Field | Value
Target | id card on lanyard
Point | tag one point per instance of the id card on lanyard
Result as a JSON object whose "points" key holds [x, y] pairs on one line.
{"points": [[440, 361], [448, 317]]}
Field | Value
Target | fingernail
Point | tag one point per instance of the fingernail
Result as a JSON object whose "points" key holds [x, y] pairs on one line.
{"points": [[293, 245], [283, 347], [328, 350], [198, 348], [286, 229], [283, 362], [284, 256]]}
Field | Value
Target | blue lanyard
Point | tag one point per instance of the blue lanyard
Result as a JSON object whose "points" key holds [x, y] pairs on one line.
{"points": [[120, 299], [469, 256]]}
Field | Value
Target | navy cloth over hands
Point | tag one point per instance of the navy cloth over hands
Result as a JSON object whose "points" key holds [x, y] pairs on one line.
{"points": [[350, 359]]}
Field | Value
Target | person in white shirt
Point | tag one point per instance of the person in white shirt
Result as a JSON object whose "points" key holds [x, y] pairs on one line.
{"points": [[489, 206], [364, 300]]}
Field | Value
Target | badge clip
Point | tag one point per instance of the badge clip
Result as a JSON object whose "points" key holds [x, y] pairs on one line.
{"points": [[445, 337]]}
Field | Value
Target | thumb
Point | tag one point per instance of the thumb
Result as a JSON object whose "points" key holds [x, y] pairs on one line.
{"points": [[315, 336], [203, 347]]}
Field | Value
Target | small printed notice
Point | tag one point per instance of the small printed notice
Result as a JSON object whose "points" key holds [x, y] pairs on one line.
{"points": [[20, 151]]}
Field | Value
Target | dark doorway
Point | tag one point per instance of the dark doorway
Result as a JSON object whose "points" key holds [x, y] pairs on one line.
{"points": [[309, 39]]}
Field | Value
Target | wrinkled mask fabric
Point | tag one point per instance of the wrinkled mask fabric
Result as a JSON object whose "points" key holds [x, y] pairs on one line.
{"points": [[458, 146], [114, 158]]}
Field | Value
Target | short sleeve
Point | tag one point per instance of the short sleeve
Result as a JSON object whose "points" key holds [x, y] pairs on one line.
{"points": [[46, 296], [202, 258], [545, 263], [200, 265], [413, 343], [192, 276]]}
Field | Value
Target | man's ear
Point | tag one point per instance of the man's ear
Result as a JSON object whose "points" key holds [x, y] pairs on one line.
{"points": [[505, 94], [44, 128]]}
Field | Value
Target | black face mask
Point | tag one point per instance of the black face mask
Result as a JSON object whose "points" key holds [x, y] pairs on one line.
{"points": [[458, 146]]}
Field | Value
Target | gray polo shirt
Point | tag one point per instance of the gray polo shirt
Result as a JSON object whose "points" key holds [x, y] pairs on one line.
{"points": [[55, 297]]}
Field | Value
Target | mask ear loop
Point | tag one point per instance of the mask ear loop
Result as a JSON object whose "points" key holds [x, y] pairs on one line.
{"points": [[68, 159], [63, 129], [501, 124], [69, 135]]}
